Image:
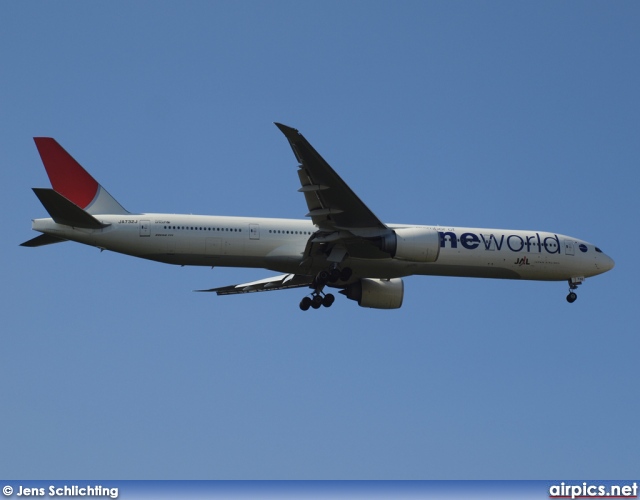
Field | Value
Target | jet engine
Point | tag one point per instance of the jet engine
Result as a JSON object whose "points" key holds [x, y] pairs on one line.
{"points": [[415, 244], [375, 293]]}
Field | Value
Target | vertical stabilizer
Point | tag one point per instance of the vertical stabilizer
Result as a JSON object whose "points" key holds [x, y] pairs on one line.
{"points": [[69, 179]]}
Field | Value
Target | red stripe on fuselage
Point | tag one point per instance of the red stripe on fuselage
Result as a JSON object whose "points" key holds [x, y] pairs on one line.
{"points": [[66, 175]]}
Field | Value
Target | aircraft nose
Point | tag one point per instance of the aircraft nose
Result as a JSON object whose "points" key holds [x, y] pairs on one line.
{"points": [[607, 262]]}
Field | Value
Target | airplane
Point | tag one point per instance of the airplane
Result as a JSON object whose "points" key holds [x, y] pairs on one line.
{"points": [[343, 246]]}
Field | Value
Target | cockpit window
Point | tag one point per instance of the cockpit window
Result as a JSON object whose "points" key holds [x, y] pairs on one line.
{"points": [[598, 250]]}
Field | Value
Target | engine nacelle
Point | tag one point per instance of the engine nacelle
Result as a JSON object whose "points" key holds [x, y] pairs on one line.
{"points": [[375, 293], [415, 244]]}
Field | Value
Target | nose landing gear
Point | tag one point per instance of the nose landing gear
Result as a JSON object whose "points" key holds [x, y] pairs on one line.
{"points": [[573, 285]]}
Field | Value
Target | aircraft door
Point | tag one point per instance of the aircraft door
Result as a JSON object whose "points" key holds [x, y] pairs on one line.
{"points": [[568, 247], [145, 228], [254, 231]]}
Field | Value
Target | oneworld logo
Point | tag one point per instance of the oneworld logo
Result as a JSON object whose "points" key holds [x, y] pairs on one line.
{"points": [[514, 242]]}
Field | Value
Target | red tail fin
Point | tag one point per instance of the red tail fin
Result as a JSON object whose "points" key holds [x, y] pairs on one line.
{"points": [[69, 179], [66, 175]]}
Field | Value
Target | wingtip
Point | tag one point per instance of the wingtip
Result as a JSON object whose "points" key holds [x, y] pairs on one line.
{"points": [[286, 130]]}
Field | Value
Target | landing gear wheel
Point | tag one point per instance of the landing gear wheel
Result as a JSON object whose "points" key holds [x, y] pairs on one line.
{"points": [[305, 304], [316, 302], [328, 300], [346, 273], [573, 285], [334, 275], [322, 278]]}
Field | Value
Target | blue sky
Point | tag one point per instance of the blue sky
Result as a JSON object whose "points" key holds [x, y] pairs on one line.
{"points": [[488, 114]]}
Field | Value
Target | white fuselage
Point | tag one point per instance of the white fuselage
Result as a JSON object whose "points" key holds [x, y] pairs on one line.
{"points": [[279, 244]]}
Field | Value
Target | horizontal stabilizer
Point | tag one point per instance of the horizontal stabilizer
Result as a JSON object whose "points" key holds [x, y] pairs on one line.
{"points": [[281, 282], [43, 239], [63, 211]]}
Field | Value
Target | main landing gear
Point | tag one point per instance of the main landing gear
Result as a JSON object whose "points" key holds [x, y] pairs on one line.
{"points": [[318, 297], [317, 300], [573, 285]]}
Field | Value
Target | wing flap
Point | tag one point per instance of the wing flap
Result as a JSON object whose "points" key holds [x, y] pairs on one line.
{"points": [[281, 282]]}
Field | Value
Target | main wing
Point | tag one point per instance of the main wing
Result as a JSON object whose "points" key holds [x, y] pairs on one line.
{"points": [[281, 282], [346, 226], [331, 202]]}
